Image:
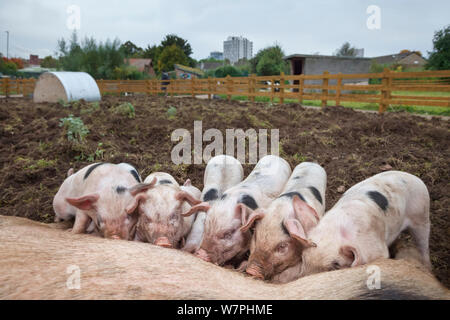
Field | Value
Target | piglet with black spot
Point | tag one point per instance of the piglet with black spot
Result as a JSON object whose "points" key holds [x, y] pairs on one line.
{"points": [[223, 238], [366, 221], [102, 195], [222, 172], [277, 242]]}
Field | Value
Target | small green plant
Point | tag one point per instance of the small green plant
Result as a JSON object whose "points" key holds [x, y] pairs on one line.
{"points": [[299, 158], [126, 109], [63, 103], [75, 128], [92, 107], [171, 112]]}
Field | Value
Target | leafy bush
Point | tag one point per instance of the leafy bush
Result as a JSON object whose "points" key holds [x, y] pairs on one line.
{"points": [[125, 109], [171, 112], [75, 129]]}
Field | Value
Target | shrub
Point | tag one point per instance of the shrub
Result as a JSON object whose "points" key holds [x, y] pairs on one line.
{"points": [[125, 109], [171, 112], [75, 129]]}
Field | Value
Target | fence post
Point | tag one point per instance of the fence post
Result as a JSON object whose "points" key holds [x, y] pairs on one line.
{"points": [[300, 88], [324, 88], [209, 88], [6, 87], [229, 87], [282, 88], [147, 87], [338, 90], [272, 90], [252, 87], [385, 90]]}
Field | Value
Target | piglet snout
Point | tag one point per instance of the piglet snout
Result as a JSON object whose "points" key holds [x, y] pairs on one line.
{"points": [[115, 237], [202, 254], [255, 271], [163, 242]]}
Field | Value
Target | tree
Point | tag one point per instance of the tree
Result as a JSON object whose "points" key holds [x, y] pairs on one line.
{"points": [[440, 56], [50, 62], [170, 56], [269, 61], [224, 71], [131, 50], [173, 39], [346, 50], [100, 60]]}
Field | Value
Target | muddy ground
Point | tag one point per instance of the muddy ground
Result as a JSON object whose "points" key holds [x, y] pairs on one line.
{"points": [[36, 154]]}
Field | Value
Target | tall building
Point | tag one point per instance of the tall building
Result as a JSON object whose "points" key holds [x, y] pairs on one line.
{"points": [[236, 48]]}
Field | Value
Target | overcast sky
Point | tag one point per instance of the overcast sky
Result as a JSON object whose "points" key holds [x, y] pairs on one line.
{"points": [[299, 26]]}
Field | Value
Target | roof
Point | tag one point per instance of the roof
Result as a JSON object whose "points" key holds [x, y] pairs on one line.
{"points": [[189, 69], [392, 58], [321, 57], [140, 64]]}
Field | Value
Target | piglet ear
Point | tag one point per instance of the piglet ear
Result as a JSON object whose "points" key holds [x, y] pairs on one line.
{"points": [[70, 172], [186, 196], [140, 197], [84, 203], [352, 254], [142, 187], [243, 213], [307, 216], [296, 231], [254, 216], [187, 183], [202, 206]]}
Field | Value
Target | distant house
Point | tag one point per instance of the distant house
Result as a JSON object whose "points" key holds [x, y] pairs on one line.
{"points": [[316, 64], [142, 65], [184, 72], [216, 55], [405, 59]]}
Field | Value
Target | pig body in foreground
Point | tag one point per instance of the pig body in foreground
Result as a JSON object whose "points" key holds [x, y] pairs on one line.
{"points": [[160, 221], [59, 268], [223, 238], [221, 173], [367, 220], [103, 194], [275, 250]]}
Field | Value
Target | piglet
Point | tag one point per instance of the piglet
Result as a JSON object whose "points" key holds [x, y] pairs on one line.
{"points": [[275, 249], [221, 173], [160, 221], [223, 239], [104, 194], [366, 221]]}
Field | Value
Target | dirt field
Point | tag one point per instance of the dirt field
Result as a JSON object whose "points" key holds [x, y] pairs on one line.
{"points": [[35, 153]]}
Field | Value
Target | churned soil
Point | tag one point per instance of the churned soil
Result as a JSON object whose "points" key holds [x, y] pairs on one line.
{"points": [[351, 146]]}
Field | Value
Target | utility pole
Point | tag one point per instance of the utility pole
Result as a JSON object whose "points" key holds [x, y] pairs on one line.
{"points": [[7, 44]]}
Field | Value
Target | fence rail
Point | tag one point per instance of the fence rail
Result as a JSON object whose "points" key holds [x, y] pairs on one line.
{"points": [[427, 88]]}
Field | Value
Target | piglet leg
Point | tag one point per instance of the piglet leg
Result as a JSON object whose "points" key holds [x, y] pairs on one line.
{"points": [[82, 221]]}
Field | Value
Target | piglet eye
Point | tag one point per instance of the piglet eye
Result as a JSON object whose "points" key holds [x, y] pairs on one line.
{"points": [[174, 216], [282, 247], [228, 235], [335, 265]]}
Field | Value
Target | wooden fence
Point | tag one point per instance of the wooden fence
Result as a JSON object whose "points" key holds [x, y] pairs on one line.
{"points": [[19, 87], [427, 88]]}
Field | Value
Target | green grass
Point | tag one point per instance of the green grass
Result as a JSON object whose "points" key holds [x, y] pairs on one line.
{"points": [[442, 111]]}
